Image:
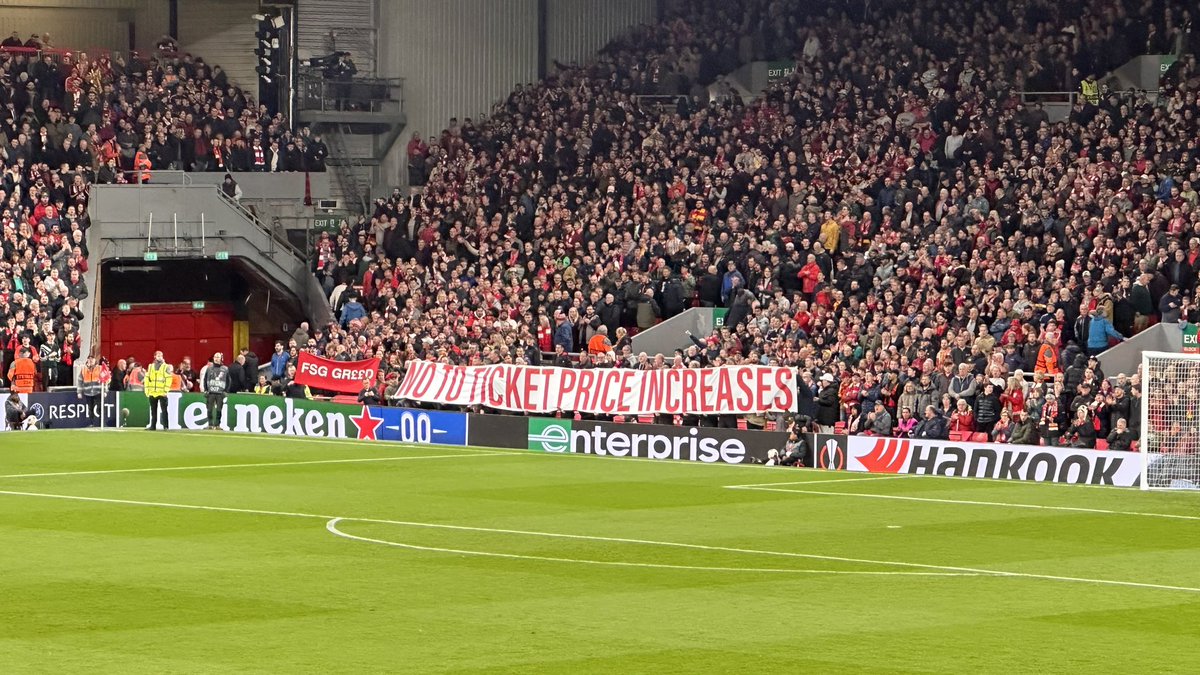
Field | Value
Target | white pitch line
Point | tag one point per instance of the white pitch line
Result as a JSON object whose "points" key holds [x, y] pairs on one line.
{"points": [[820, 481], [969, 502], [332, 527], [257, 465], [558, 535]]}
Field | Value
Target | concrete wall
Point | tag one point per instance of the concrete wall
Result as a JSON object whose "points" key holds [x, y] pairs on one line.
{"points": [[671, 334], [270, 185], [352, 24], [87, 24], [577, 29], [1125, 358], [458, 58], [222, 32]]}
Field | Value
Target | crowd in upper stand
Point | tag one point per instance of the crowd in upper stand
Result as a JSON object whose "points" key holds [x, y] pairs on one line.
{"points": [[889, 220], [69, 119]]}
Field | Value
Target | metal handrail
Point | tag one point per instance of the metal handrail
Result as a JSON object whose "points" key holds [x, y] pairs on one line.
{"points": [[249, 215], [186, 181], [316, 92], [658, 99], [158, 177], [1031, 97]]}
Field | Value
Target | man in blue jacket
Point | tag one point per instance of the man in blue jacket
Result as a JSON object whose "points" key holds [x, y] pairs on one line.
{"points": [[279, 362], [352, 310], [1096, 330], [564, 333]]}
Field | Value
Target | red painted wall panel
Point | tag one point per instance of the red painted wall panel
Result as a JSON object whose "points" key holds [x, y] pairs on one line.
{"points": [[176, 329]]}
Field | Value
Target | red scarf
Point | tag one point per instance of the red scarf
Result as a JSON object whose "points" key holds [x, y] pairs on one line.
{"points": [[259, 158]]}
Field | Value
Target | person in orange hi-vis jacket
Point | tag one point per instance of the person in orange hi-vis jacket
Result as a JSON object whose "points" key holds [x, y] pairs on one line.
{"points": [[22, 373], [1047, 360], [141, 164], [600, 344]]}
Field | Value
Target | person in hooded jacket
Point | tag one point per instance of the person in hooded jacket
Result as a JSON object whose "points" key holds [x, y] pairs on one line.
{"points": [[1083, 429], [352, 310], [673, 299], [1074, 374], [828, 404], [740, 302]]}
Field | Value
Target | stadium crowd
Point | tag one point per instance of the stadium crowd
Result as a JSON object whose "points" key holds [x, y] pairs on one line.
{"points": [[933, 257], [69, 120], [889, 220]]}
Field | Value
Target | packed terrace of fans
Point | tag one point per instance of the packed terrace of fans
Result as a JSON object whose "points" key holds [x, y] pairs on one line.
{"points": [[890, 212], [891, 216], [69, 119]]}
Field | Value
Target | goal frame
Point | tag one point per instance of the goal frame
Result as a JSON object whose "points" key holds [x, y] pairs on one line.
{"points": [[1144, 422]]}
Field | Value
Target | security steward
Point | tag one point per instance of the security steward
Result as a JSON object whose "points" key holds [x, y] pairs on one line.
{"points": [[158, 384], [215, 384], [22, 374], [88, 388]]}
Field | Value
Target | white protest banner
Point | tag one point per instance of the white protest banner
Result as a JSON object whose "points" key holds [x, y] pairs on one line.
{"points": [[732, 390]]}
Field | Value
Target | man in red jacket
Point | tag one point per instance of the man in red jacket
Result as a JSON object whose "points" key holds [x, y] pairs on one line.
{"points": [[810, 276]]}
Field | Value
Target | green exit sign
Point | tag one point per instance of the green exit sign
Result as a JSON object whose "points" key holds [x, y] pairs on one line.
{"points": [[124, 306], [222, 255], [197, 305], [150, 256]]}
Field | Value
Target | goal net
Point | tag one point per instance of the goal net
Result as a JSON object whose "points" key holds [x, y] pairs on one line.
{"points": [[1170, 421]]}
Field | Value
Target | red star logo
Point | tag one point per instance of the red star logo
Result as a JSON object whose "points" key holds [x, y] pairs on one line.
{"points": [[366, 424]]}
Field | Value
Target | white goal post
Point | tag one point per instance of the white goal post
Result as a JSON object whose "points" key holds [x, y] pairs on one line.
{"points": [[1170, 421]]}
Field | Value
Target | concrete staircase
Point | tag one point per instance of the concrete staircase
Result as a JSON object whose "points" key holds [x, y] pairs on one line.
{"points": [[164, 222]]}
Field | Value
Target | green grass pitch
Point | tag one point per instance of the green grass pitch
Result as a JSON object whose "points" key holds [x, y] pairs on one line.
{"points": [[328, 557]]}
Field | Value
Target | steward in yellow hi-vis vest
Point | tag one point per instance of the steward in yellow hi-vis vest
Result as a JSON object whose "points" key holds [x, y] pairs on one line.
{"points": [[1090, 89], [157, 384]]}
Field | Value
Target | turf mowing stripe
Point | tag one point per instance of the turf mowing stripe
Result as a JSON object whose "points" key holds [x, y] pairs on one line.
{"points": [[969, 502], [557, 535], [257, 465]]}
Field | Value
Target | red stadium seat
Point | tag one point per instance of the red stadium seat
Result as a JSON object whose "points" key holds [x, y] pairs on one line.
{"points": [[957, 435], [1101, 444], [979, 437]]}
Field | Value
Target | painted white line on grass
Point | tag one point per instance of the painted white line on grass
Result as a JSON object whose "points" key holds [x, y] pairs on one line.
{"points": [[332, 526], [821, 482], [968, 502], [584, 537], [257, 465]]}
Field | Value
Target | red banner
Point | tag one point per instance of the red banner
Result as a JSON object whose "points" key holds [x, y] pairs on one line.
{"points": [[729, 390], [341, 376]]}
